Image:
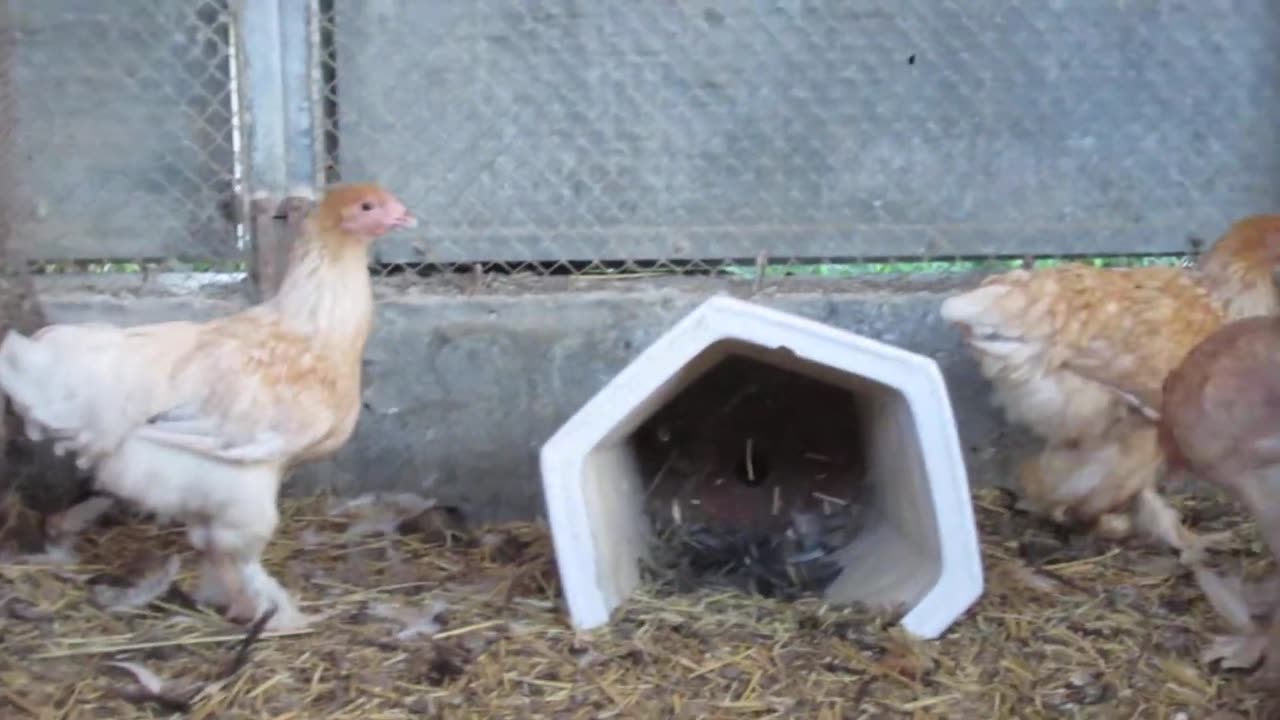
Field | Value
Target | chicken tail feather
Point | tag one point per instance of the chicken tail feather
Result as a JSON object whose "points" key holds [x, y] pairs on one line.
{"points": [[44, 392], [974, 306]]}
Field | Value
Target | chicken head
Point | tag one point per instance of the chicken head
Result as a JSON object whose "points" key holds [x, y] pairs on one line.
{"points": [[363, 211]]}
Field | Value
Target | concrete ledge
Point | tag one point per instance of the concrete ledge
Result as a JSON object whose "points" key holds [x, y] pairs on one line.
{"points": [[463, 384]]}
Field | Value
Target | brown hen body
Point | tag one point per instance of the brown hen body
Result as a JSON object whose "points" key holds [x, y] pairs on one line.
{"points": [[1078, 355]]}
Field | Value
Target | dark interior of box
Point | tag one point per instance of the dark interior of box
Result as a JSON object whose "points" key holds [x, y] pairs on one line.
{"points": [[754, 477]]}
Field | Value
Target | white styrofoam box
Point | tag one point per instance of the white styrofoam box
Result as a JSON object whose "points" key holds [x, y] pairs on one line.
{"points": [[919, 546]]}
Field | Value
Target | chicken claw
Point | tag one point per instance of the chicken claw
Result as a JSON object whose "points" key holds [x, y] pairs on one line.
{"points": [[268, 593], [1158, 519], [1195, 548], [1267, 676], [68, 523], [295, 621], [1254, 640], [242, 610], [222, 587]]}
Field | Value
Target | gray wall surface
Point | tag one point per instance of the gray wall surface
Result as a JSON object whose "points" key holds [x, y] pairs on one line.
{"points": [[461, 390]]}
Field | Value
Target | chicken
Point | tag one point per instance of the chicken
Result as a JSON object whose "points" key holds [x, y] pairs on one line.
{"points": [[26, 482], [1221, 422], [1074, 353], [201, 422]]}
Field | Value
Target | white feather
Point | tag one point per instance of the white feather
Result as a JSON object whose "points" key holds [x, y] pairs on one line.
{"points": [[971, 308]]}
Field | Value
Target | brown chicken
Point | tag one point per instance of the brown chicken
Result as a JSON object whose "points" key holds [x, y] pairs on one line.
{"points": [[201, 422], [1221, 423], [1074, 351]]}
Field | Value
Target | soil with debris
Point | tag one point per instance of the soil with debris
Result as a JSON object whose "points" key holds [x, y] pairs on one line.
{"points": [[754, 479], [434, 620]]}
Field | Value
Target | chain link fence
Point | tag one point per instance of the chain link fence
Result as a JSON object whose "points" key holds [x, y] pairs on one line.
{"points": [[117, 133], [694, 137], [569, 137]]}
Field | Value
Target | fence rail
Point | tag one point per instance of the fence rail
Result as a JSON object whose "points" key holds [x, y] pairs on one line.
{"points": [[563, 135]]}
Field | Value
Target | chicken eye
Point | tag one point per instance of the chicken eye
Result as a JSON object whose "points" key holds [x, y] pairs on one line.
{"points": [[366, 206]]}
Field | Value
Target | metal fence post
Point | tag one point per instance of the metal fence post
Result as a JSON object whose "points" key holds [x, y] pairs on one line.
{"points": [[276, 97], [297, 62]]}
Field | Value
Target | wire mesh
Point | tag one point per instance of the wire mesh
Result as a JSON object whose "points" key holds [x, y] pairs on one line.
{"points": [[567, 137], [117, 134], [8, 133], [695, 137]]}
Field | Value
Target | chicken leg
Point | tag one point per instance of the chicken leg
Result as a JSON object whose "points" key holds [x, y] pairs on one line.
{"points": [[1259, 492], [65, 525], [221, 584], [1161, 521], [267, 593], [244, 590], [241, 605], [232, 544], [1110, 485]]}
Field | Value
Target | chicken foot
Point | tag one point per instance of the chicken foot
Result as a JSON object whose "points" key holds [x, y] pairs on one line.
{"points": [[64, 525], [1259, 492], [1158, 519], [220, 583], [244, 591], [234, 579], [1255, 637], [267, 593], [229, 591], [1071, 484]]}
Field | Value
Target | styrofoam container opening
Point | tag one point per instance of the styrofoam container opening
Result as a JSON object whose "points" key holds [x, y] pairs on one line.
{"points": [[918, 543], [809, 434]]}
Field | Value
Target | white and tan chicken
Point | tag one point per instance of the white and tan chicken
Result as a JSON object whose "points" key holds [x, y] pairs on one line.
{"points": [[1072, 351], [201, 422]]}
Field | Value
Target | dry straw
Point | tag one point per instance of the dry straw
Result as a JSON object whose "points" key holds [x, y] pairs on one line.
{"points": [[429, 626]]}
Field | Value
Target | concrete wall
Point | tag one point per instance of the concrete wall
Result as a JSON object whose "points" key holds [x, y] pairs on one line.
{"points": [[463, 387]]}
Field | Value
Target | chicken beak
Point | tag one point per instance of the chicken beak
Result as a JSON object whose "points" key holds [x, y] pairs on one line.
{"points": [[406, 221]]}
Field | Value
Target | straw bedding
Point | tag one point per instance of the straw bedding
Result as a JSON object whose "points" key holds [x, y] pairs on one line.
{"points": [[432, 620]]}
